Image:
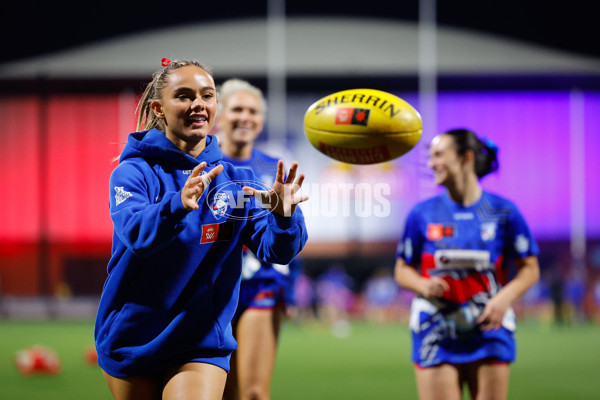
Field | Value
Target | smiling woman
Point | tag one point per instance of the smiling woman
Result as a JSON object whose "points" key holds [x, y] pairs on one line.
{"points": [[183, 105], [163, 327], [266, 290], [454, 255]]}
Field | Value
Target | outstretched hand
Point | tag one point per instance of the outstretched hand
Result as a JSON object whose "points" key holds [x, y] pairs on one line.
{"points": [[196, 184], [283, 197]]}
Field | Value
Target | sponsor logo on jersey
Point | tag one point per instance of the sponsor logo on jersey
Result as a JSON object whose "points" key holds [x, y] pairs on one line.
{"points": [[217, 232], [352, 116], [460, 259], [439, 231], [463, 216]]}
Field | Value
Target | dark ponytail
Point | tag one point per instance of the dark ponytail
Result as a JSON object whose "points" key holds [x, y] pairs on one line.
{"points": [[485, 151]]}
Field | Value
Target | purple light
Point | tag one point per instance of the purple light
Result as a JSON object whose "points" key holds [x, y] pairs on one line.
{"points": [[531, 130]]}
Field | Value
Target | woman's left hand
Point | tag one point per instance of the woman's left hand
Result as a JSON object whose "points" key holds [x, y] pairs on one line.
{"points": [[283, 197], [493, 314], [528, 272]]}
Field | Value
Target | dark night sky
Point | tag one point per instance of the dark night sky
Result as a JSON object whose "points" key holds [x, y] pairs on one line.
{"points": [[28, 29]]}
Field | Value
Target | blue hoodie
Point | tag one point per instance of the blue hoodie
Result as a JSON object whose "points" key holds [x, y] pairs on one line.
{"points": [[174, 275]]}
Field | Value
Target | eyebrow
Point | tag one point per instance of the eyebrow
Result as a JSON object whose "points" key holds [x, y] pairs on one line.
{"points": [[189, 88]]}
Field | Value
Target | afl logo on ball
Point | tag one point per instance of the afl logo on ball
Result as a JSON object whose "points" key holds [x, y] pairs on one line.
{"points": [[352, 116]]}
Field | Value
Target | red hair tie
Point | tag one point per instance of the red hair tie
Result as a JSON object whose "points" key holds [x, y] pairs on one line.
{"points": [[165, 61]]}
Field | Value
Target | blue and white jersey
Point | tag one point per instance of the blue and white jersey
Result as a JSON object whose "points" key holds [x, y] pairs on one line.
{"points": [[468, 247]]}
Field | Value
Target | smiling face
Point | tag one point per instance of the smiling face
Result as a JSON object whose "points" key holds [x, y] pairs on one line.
{"points": [[241, 119], [188, 107], [444, 160]]}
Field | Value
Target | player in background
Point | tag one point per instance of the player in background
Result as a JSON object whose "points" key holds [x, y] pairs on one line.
{"points": [[266, 290], [454, 254], [163, 327]]}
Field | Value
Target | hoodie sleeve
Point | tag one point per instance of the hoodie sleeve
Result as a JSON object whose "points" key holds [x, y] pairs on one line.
{"points": [[144, 223], [273, 238]]}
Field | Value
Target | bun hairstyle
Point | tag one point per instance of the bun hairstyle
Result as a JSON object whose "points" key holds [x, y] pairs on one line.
{"points": [[146, 118], [485, 151]]}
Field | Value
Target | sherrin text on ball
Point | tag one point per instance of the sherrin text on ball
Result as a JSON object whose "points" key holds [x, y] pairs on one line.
{"points": [[362, 126]]}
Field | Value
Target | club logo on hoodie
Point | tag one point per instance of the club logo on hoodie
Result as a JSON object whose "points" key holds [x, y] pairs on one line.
{"points": [[228, 200], [220, 204], [121, 195]]}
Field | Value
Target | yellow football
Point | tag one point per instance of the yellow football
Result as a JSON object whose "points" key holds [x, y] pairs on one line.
{"points": [[362, 126]]}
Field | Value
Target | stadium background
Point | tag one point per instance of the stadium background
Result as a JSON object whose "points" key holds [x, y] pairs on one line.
{"points": [[68, 102]]}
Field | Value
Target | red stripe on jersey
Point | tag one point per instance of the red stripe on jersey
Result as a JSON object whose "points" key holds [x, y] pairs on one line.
{"points": [[462, 290], [501, 271], [427, 263]]}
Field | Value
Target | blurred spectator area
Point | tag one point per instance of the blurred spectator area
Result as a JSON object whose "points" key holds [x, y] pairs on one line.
{"points": [[64, 119]]}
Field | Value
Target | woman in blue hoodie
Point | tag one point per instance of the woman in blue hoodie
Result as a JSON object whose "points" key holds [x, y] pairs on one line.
{"points": [[181, 217]]}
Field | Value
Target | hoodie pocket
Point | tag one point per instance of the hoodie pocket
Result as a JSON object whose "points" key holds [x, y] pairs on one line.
{"points": [[137, 325], [220, 335]]}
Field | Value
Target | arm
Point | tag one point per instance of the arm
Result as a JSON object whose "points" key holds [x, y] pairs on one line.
{"points": [[274, 238], [407, 255], [521, 247], [527, 275], [142, 225], [409, 278]]}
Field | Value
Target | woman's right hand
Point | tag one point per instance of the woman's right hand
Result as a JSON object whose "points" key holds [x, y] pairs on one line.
{"points": [[408, 277], [196, 184], [433, 287]]}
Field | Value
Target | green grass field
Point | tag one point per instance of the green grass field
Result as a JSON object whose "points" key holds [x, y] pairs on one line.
{"points": [[371, 363]]}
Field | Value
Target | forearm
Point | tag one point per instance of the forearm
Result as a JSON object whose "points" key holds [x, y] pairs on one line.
{"points": [[527, 275], [278, 239], [408, 277], [145, 228]]}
